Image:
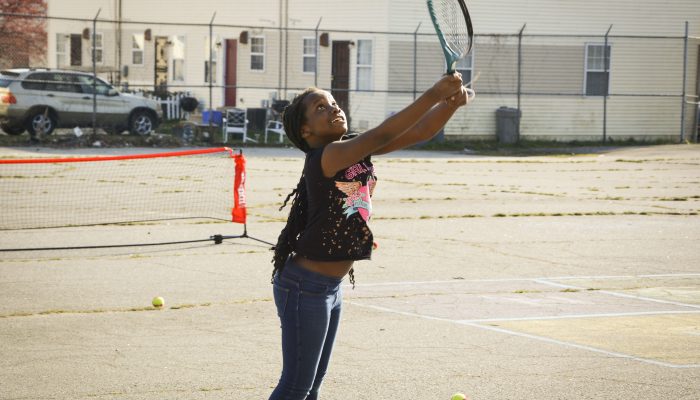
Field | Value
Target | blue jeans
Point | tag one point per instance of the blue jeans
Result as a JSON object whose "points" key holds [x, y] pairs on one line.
{"points": [[308, 305]]}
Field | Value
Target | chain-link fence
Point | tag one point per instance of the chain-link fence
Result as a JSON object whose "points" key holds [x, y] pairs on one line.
{"points": [[564, 87]]}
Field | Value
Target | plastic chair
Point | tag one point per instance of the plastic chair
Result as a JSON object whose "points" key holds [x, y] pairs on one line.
{"points": [[275, 127], [236, 122]]}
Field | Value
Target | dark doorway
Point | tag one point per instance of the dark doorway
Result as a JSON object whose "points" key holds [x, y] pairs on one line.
{"points": [[230, 72], [76, 50], [340, 78]]}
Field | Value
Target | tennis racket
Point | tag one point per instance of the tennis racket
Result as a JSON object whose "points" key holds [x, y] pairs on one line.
{"points": [[454, 29]]}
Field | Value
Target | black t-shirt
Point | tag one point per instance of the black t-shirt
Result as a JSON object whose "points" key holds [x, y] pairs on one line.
{"points": [[338, 210]]}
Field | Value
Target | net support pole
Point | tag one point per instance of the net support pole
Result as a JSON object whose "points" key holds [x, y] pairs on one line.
{"points": [[316, 52], [685, 81], [238, 188], [415, 61], [94, 75], [606, 61]]}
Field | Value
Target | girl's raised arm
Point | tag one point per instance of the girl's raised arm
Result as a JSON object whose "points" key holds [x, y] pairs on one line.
{"points": [[342, 154], [431, 123]]}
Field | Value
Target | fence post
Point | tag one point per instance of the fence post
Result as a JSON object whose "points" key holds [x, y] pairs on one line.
{"points": [[606, 60], [94, 76], [520, 66], [685, 78], [211, 78], [415, 60]]}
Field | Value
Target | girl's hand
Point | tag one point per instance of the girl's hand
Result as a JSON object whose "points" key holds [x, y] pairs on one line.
{"points": [[447, 86], [465, 96]]}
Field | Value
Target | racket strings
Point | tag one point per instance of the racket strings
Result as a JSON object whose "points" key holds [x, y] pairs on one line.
{"points": [[452, 24]]}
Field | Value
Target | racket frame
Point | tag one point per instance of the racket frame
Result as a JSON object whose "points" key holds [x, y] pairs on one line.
{"points": [[451, 56]]}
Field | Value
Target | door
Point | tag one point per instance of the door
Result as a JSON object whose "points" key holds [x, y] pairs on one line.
{"points": [[62, 91], [111, 110], [161, 70], [340, 76], [230, 78], [76, 50]]}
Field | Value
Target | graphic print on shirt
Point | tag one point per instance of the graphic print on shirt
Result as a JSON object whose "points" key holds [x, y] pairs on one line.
{"points": [[359, 197]]}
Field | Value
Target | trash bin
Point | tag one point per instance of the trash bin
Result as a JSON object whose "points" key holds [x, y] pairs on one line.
{"points": [[508, 125], [216, 119], [257, 119]]}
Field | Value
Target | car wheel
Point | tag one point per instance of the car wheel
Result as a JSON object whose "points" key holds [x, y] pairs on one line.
{"points": [[41, 122], [142, 123], [12, 130]]}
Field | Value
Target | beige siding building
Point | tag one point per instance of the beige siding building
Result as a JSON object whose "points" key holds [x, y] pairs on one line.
{"points": [[269, 49]]}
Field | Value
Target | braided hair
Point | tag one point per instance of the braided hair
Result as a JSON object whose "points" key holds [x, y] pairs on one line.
{"points": [[293, 117]]}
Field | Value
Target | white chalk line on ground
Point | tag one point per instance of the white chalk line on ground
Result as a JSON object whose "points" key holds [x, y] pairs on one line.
{"points": [[477, 323], [527, 335], [617, 294], [574, 316], [548, 281], [549, 278]]}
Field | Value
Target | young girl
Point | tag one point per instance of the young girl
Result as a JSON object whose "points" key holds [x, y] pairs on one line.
{"points": [[327, 226]]}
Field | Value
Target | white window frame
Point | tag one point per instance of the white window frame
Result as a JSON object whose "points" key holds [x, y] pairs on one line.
{"points": [[369, 67], [101, 60], [65, 39], [174, 58], [470, 69], [305, 55], [257, 54], [135, 50], [586, 70], [213, 68]]}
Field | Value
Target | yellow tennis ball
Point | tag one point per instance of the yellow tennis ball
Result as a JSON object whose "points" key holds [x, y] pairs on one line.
{"points": [[459, 396], [158, 302]]}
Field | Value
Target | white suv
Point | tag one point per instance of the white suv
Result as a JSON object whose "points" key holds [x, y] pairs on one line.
{"points": [[40, 100]]}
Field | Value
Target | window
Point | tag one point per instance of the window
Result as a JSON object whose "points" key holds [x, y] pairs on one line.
{"points": [[51, 81], [61, 49], [214, 59], [35, 81], [597, 70], [257, 53], [309, 55], [364, 65], [465, 67], [86, 82], [98, 48], [178, 56], [137, 49], [7, 78]]}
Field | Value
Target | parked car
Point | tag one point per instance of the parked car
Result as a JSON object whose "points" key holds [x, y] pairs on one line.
{"points": [[45, 99]]}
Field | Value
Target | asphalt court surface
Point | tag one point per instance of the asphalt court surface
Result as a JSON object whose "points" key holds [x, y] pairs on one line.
{"points": [[548, 277], [650, 319]]}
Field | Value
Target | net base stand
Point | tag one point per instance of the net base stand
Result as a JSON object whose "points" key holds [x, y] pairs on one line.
{"points": [[218, 239]]}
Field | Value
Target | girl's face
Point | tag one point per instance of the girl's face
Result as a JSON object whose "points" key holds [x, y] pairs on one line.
{"points": [[325, 121]]}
